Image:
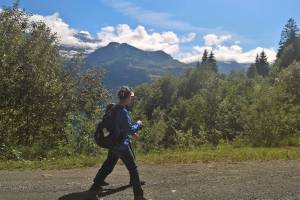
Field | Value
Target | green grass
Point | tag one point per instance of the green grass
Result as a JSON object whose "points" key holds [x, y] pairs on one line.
{"points": [[52, 163], [204, 154], [221, 153]]}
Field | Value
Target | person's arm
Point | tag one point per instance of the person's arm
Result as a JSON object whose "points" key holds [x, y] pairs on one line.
{"points": [[127, 125]]}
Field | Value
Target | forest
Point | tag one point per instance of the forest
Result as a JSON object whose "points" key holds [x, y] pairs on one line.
{"points": [[259, 108], [50, 105]]}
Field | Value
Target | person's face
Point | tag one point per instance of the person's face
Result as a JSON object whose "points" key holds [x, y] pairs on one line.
{"points": [[130, 105], [128, 101]]}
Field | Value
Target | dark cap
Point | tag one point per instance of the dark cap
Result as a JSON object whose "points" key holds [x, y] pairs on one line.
{"points": [[125, 92]]}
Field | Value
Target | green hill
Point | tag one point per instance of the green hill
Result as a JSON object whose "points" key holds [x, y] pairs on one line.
{"points": [[125, 64]]}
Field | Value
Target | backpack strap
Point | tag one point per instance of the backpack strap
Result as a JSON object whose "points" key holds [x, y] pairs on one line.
{"points": [[109, 107]]}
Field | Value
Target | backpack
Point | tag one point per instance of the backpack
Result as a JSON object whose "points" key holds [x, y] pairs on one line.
{"points": [[104, 132]]}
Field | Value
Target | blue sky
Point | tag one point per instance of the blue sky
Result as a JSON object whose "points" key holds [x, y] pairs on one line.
{"points": [[233, 29]]}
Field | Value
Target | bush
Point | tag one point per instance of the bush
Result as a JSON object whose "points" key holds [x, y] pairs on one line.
{"points": [[273, 114], [41, 91], [9, 153], [152, 136]]}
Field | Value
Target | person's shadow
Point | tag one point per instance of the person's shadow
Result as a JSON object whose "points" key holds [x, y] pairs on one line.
{"points": [[91, 195]]}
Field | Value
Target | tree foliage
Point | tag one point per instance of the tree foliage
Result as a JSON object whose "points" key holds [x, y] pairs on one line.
{"points": [[260, 107], [38, 92], [50, 105], [289, 45], [260, 67], [288, 35]]}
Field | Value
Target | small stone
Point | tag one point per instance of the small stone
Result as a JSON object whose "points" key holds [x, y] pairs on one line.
{"points": [[46, 175]]}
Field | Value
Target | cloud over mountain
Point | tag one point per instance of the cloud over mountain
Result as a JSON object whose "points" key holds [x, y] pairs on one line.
{"points": [[65, 33], [225, 47], [140, 38]]}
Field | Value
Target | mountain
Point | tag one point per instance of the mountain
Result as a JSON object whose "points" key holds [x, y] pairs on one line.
{"points": [[125, 64]]}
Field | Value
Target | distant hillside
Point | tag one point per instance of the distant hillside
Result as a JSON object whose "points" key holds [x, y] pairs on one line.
{"points": [[126, 64], [227, 67]]}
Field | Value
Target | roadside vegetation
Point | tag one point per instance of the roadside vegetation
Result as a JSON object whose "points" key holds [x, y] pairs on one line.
{"points": [[204, 154], [49, 105]]}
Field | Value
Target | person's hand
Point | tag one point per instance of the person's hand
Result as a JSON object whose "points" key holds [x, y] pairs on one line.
{"points": [[140, 123], [135, 136]]}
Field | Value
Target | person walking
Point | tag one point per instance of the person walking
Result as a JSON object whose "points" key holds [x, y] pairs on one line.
{"points": [[123, 129]]}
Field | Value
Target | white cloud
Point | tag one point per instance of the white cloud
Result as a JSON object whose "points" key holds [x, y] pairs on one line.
{"points": [[188, 38], [225, 47], [212, 39], [86, 34], [223, 52], [65, 33], [140, 38]]}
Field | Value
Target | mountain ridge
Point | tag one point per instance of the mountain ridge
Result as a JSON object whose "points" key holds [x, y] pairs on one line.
{"points": [[126, 64]]}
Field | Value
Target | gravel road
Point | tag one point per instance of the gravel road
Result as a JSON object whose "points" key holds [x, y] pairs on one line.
{"points": [[214, 180]]}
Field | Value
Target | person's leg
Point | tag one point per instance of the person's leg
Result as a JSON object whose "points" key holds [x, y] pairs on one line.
{"points": [[128, 159], [132, 150], [107, 168]]}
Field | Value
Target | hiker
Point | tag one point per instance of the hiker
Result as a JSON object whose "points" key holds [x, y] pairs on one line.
{"points": [[123, 129]]}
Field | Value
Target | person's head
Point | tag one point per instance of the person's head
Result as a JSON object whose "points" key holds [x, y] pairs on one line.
{"points": [[125, 95]]}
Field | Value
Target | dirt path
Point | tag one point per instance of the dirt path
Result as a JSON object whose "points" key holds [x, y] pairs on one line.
{"points": [[244, 180]]}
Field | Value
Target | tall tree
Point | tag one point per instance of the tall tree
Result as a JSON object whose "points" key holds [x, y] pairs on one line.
{"points": [[31, 81], [257, 60], [252, 70], [38, 92], [288, 35], [262, 66], [212, 62], [204, 57], [290, 54]]}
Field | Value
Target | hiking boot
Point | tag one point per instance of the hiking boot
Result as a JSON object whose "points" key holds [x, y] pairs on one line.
{"points": [[104, 183], [96, 188]]}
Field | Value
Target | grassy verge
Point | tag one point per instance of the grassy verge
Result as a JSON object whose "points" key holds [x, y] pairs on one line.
{"points": [[204, 154], [221, 153]]}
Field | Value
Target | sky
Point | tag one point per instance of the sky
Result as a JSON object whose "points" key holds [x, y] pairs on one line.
{"points": [[235, 30]]}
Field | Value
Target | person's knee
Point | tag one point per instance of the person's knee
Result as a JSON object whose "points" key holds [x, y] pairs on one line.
{"points": [[109, 170], [110, 161], [133, 169], [108, 166]]}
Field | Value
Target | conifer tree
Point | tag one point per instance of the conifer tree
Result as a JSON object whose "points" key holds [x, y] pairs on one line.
{"points": [[288, 35], [212, 62], [262, 66], [204, 57]]}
